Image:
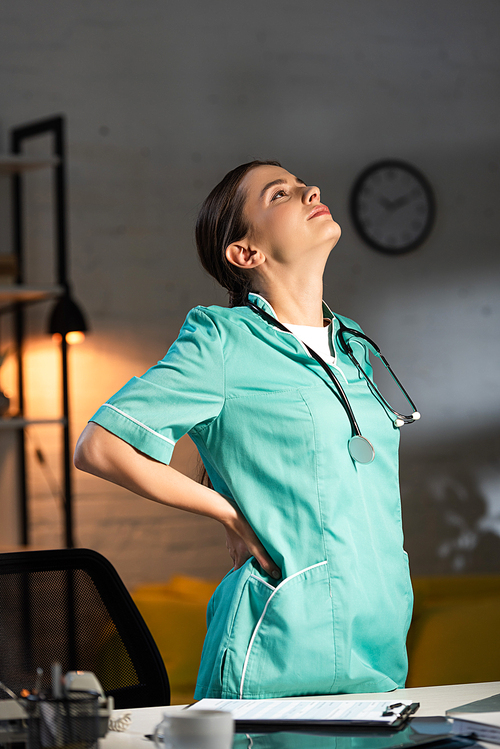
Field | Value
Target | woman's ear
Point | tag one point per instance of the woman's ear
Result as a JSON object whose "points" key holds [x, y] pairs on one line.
{"points": [[242, 255]]}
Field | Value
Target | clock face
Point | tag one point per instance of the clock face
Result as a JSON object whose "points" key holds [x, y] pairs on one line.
{"points": [[392, 206]]}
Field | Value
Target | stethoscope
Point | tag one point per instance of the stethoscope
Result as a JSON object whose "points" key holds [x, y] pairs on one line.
{"points": [[360, 449]]}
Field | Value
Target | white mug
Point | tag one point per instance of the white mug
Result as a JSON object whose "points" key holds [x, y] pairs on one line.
{"points": [[195, 729]]}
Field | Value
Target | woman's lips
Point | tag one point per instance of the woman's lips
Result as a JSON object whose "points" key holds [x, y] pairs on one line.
{"points": [[320, 210]]}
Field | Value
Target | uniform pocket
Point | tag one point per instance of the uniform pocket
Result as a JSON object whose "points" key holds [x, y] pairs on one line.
{"points": [[290, 649]]}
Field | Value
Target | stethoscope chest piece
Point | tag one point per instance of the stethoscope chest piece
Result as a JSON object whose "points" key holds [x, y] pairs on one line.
{"points": [[360, 449]]}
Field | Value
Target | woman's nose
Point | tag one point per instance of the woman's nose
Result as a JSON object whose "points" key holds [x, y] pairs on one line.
{"points": [[311, 195]]}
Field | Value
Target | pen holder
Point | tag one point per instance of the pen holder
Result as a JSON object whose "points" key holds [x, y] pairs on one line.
{"points": [[71, 722]]}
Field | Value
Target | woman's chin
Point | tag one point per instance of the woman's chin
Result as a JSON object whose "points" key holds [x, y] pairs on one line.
{"points": [[336, 231]]}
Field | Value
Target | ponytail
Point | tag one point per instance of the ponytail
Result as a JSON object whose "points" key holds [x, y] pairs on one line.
{"points": [[221, 222]]}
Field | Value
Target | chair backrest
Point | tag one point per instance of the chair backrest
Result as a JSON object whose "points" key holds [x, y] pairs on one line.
{"points": [[70, 606]]}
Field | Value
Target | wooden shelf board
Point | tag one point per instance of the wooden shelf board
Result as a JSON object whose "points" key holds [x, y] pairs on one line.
{"points": [[18, 422], [22, 293], [15, 164]]}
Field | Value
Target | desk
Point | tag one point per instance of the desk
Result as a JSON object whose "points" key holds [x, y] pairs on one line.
{"points": [[433, 701]]}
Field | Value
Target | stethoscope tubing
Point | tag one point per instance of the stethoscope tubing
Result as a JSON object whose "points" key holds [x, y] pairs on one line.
{"points": [[274, 321], [339, 387], [346, 348]]}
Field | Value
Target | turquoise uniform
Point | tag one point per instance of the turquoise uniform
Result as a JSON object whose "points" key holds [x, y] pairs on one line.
{"points": [[273, 434]]}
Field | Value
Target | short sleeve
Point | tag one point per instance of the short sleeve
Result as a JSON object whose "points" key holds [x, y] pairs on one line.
{"points": [[185, 389]]}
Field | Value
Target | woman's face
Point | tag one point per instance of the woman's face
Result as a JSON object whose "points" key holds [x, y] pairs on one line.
{"points": [[287, 220]]}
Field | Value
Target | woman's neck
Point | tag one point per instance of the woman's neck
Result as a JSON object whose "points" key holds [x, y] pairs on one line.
{"points": [[296, 301]]}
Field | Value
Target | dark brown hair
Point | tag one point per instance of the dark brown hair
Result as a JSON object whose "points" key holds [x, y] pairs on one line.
{"points": [[220, 223]]}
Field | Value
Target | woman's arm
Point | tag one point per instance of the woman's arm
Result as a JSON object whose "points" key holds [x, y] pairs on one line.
{"points": [[103, 454]]}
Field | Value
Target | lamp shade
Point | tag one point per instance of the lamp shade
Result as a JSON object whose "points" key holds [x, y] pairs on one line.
{"points": [[67, 317]]}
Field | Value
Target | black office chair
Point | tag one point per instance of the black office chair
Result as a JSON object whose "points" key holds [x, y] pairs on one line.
{"points": [[70, 605]]}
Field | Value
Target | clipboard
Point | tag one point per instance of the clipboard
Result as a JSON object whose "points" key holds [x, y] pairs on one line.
{"points": [[292, 714]]}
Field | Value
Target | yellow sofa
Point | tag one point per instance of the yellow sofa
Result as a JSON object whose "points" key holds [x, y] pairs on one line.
{"points": [[454, 637], [175, 613]]}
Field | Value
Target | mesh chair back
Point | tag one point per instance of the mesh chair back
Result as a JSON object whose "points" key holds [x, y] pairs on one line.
{"points": [[70, 605]]}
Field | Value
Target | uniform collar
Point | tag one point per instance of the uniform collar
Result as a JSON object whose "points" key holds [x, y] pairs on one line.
{"points": [[262, 303]]}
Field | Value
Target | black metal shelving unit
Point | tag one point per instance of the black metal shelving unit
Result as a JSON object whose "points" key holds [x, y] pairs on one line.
{"points": [[15, 298]]}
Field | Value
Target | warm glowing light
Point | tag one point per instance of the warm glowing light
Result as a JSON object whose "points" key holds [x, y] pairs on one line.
{"points": [[24, 692], [75, 336]]}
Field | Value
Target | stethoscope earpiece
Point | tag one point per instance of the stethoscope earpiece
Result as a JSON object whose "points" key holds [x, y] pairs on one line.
{"points": [[399, 422]]}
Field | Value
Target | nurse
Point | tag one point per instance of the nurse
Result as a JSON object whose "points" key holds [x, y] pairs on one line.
{"points": [[319, 598]]}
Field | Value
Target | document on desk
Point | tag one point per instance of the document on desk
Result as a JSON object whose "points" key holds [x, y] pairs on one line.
{"points": [[361, 713]]}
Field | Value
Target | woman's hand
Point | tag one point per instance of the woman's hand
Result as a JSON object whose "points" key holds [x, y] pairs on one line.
{"points": [[242, 543], [237, 548]]}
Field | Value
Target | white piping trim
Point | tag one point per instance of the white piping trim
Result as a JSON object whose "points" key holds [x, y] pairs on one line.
{"points": [[332, 342], [262, 581], [254, 635], [332, 339], [325, 306], [144, 426]]}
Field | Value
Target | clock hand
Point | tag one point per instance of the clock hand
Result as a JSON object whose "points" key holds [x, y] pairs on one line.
{"points": [[401, 201], [386, 203], [391, 206], [394, 205]]}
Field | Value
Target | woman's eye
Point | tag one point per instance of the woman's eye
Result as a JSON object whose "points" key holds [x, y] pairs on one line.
{"points": [[278, 194]]}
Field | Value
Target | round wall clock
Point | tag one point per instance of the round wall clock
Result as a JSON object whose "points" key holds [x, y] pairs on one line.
{"points": [[392, 206]]}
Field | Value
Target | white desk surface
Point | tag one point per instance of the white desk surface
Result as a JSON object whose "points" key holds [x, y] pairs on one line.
{"points": [[433, 701]]}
